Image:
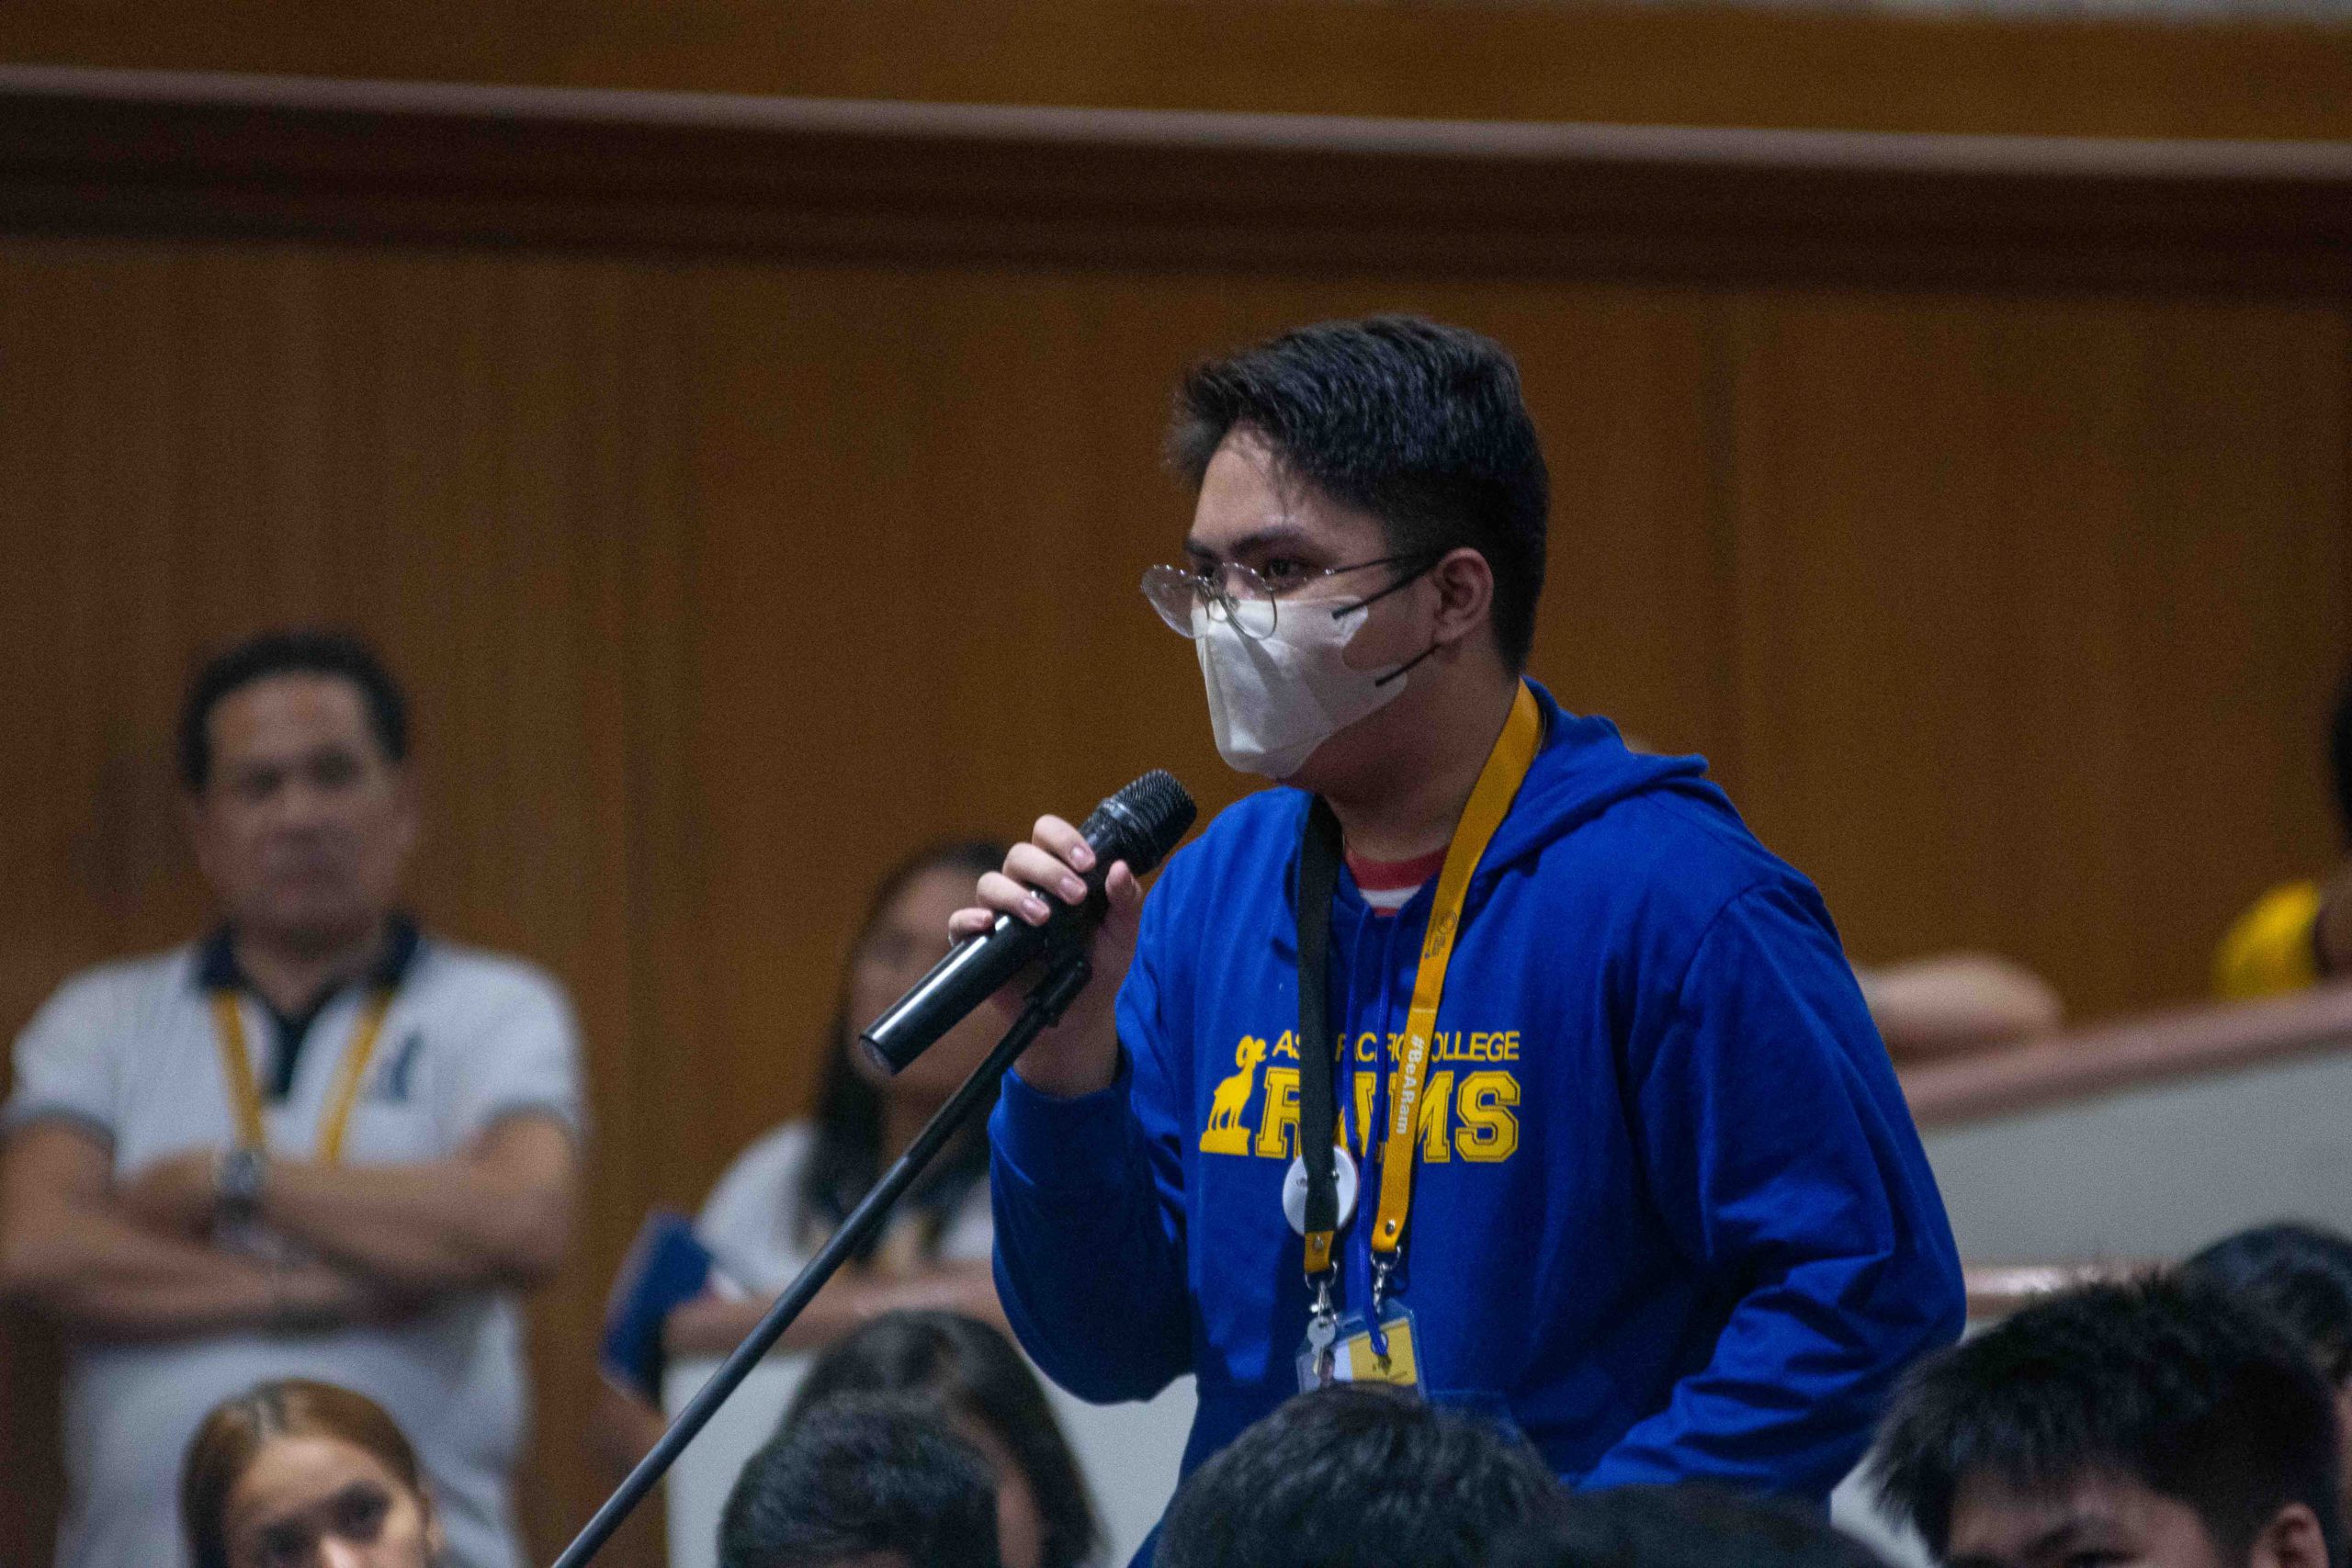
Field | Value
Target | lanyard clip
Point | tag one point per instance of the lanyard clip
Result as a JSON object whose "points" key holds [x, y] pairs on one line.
{"points": [[1383, 1266], [1323, 1329]]}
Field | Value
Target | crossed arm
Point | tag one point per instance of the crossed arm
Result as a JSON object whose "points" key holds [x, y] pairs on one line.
{"points": [[133, 1260]]}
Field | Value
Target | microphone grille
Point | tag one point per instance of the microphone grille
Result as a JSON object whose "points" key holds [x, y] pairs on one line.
{"points": [[1142, 822]]}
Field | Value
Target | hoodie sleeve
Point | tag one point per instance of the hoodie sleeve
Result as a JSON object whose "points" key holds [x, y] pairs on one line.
{"points": [[1088, 1197], [1782, 1157]]}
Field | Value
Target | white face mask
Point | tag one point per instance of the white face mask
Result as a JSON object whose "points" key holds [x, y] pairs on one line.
{"points": [[1273, 700]]}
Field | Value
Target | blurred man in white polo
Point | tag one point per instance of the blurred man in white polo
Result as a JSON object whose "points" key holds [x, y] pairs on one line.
{"points": [[315, 1144]]}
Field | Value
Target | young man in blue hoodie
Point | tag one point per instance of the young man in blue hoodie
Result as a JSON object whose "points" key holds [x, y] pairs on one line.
{"points": [[1619, 1154]]}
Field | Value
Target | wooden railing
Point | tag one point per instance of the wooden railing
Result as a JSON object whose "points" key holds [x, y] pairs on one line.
{"points": [[2159, 1050], [2109, 1058], [187, 153]]}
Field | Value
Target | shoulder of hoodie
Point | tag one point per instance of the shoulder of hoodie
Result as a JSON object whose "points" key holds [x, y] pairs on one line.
{"points": [[1665, 852], [1662, 860]]}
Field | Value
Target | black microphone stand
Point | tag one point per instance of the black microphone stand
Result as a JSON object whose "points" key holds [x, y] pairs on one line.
{"points": [[1066, 976]]}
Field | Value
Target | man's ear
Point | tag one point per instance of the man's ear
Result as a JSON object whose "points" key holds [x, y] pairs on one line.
{"points": [[1465, 586], [2291, 1539]]}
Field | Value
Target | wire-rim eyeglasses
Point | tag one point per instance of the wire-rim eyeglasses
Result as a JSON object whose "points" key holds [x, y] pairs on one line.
{"points": [[1233, 593]]}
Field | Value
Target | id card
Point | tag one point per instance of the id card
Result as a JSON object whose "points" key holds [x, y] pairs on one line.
{"points": [[1352, 1358]]}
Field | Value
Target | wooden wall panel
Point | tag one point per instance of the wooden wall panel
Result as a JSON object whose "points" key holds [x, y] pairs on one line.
{"points": [[1639, 601], [2057, 586]]}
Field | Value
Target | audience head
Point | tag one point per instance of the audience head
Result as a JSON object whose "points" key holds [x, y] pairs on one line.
{"points": [[2162, 1421], [972, 1375], [296, 1473], [1679, 1527], [2301, 1275], [903, 933], [293, 750], [1357, 1475], [864, 1481], [1420, 426]]}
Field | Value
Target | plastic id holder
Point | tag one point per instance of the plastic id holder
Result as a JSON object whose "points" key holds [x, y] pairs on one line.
{"points": [[1353, 1360]]}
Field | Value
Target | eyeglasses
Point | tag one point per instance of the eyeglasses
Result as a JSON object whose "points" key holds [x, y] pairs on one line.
{"points": [[1231, 591]]}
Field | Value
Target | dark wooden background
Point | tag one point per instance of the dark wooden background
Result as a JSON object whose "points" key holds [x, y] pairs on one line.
{"points": [[749, 492], [1848, 68]]}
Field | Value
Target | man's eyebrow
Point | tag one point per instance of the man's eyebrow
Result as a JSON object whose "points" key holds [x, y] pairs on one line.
{"points": [[1250, 544], [2049, 1543], [305, 756], [2058, 1536]]}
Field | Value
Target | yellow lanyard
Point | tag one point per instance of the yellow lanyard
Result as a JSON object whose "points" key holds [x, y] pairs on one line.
{"points": [[1498, 786], [1498, 783], [245, 1090]]}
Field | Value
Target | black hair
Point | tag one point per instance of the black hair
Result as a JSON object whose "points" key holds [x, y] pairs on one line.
{"points": [[868, 1474], [847, 1157], [1420, 424], [296, 652], [2168, 1381], [2301, 1274], [1357, 1475], [1681, 1526], [971, 1370]]}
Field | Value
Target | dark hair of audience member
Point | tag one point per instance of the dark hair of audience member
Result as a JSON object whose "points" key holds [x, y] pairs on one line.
{"points": [[288, 653], [1679, 1527], [861, 1477], [238, 1430], [2301, 1274], [1357, 1475], [973, 1373], [2168, 1382], [846, 1159], [1418, 424]]}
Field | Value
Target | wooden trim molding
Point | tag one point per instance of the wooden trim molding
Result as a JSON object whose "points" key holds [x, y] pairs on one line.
{"points": [[112, 151], [2107, 70], [2138, 1053]]}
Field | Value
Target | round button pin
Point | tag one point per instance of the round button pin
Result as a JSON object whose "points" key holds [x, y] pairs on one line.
{"points": [[1343, 1183]]}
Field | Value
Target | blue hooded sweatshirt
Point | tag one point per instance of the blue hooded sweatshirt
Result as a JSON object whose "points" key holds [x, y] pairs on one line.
{"points": [[1670, 1216]]}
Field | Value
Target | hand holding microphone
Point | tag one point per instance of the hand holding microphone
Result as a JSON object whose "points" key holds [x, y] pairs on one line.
{"points": [[1065, 885]]}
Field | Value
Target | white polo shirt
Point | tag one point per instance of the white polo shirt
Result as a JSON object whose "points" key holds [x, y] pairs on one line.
{"points": [[754, 1222], [127, 1050]]}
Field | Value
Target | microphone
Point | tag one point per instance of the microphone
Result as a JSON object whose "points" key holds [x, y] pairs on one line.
{"points": [[1139, 825]]}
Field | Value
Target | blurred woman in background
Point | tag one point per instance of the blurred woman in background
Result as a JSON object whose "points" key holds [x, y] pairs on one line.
{"points": [[786, 1193]]}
